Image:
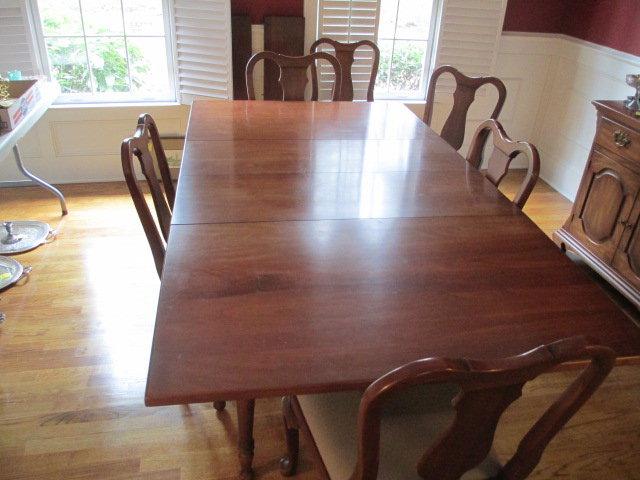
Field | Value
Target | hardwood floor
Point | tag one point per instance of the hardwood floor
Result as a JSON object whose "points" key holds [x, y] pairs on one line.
{"points": [[74, 353]]}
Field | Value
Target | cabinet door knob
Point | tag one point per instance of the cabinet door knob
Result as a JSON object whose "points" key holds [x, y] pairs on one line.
{"points": [[621, 139]]}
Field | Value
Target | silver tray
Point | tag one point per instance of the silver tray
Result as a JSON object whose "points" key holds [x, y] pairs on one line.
{"points": [[31, 234], [11, 271]]}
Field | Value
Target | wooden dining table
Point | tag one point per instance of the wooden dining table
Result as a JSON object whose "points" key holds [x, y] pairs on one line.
{"points": [[316, 246]]}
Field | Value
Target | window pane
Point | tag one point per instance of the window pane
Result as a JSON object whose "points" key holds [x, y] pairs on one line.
{"points": [[414, 19], [407, 67], [68, 60], [149, 73], [382, 81], [143, 18], [60, 17], [388, 9], [102, 17], [108, 64]]}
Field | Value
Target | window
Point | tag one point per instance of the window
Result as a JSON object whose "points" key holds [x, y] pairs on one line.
{"points": [[405, 39], [106, 50]]}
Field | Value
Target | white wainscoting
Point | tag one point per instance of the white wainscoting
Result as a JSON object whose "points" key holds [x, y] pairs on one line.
{"points": [[82, 144], [551, 81], [579, 72]]}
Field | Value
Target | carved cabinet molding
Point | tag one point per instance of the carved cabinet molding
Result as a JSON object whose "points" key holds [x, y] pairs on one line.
{"points": [[603, 225]]}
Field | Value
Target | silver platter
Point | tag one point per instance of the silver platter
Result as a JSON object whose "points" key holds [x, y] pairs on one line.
{"points": [[10, 271], [31, 234]]}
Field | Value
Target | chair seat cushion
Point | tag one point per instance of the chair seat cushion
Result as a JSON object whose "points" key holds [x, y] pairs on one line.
{"points": [[411, 421]]}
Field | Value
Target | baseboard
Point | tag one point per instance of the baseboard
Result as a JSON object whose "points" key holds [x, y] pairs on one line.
{"points": [[17, 183]]}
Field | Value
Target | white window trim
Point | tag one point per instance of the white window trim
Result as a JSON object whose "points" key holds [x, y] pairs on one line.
{"points": [[429, 60], [115, 98]]}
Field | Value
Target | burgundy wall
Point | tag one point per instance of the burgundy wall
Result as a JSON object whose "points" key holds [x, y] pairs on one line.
{"points": [[546, 16], [258, 9], [612, 23]]}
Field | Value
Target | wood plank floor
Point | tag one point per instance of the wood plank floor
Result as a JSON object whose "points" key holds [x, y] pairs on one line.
{"points": [[74, 352]]}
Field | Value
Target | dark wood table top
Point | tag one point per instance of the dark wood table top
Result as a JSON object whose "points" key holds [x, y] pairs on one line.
{"points": [[317, 265], [274, 180], [251, 120]]}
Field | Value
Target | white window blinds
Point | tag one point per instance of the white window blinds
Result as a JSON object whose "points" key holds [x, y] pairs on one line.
{"points": [[203, 49], [16, 40], [348, 21], [468, 37]]}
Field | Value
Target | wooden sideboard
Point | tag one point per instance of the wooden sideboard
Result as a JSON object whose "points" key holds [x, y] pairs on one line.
{"points": [[603, 227]]}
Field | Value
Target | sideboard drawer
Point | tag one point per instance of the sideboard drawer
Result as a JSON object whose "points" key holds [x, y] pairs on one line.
{"points": [[618, 139]]}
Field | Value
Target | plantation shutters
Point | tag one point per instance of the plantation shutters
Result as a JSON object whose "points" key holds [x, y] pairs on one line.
{"points": [[203, 49], [348, 21], [468, 37], [16, 41]]}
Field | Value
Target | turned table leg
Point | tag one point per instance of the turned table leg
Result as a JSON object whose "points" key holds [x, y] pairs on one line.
{"points": [[245, 410]]}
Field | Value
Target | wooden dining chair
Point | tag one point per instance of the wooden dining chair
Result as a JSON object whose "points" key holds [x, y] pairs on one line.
{"points": [[148, 124], [140, 146], [345, 53], [466, 87], [293, 74], [405, 425], [162, 189], [504, 151]]}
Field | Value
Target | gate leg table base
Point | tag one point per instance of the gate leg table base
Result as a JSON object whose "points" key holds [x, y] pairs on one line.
{"points": [[39, 181]]}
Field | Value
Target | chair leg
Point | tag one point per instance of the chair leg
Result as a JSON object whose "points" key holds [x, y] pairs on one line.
{"points": [[245, 410], [219, 405], [289, 463]]}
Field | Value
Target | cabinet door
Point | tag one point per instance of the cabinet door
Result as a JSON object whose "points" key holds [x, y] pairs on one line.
{"points": [[627, 257], [606, 196]]}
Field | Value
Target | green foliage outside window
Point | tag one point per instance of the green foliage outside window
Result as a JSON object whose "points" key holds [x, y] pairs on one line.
{"points": [[407, 68], [107, 58]]}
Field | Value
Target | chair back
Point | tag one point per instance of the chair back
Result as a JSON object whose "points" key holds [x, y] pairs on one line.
{"points": [[162, 189], [293, 74], [487, 388], [465, 93], [504, 151], [345, 53]]}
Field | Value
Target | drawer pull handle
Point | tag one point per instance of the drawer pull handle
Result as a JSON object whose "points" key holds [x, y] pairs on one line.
{"points": [[621, 139]]}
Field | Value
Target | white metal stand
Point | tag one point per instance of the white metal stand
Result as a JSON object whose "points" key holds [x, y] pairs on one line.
{"points": [[9, 141], [39, 181]]}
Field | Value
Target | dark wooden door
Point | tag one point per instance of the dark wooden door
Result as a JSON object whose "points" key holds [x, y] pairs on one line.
{"points": [[240, 53], [604, 204], [284, 35], [627, 257]]}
